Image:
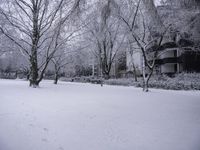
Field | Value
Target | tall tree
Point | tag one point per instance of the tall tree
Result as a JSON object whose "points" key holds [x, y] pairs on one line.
{"points": [[107, 38], [141, 32], [36, 23]]}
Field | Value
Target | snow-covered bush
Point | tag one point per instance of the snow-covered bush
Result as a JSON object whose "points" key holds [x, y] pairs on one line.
{"points": [[183, 81], [123, 82]]}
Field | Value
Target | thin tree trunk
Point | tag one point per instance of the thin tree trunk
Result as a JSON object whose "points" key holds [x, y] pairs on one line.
{"points": [[27, 77], [107, 76], [56, 78], [146, 85], [146, 80], [134, 71], [135, 75]]}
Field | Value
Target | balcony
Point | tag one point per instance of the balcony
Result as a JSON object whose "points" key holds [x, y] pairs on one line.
{"points": [[169, 60]]}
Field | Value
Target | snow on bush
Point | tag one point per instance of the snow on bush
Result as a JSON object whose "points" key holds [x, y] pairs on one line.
{"points": [[123, 82], [183, 81]]}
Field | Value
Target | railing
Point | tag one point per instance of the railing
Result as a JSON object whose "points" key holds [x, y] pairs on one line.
{"points": [[169, 60]]}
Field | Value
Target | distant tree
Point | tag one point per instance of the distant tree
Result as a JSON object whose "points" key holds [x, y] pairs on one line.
{"points": [[106, 36], [59, 63], [66, 32], [81, 63]]}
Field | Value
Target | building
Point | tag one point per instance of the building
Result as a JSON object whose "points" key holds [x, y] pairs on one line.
{"points": [[177, 57], [180, 50]]}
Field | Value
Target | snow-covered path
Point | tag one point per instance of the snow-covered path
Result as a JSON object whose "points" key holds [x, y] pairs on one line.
{"points": [[72, 116]]}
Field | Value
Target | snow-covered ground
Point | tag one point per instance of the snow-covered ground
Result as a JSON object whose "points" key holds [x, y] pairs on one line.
{"points": [[72, 116]]}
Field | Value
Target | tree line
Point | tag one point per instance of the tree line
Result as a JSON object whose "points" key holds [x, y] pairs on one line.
{"points": [[46, 31]]}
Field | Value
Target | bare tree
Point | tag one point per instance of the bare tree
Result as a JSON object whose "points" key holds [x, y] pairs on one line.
{"points": [[144, 37], [66, 32], [107, 38], [59, 63], [37, 24]]}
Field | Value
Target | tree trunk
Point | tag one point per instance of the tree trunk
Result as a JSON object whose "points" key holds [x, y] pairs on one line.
{"points": [[135, 73], [56, 78], [145, 78], [27, 77], [146, 85], [135, 76], [34, 71], [33, 79], [34, 82], [106, 72], [146, 81], [106, 76]]}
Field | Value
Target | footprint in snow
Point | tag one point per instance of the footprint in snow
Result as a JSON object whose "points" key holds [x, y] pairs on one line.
{"points": [[92, 117], [61, 148], [45, 129], [44, 140], [31, 125]]}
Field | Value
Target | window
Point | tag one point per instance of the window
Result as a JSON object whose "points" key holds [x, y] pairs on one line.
{"points": [[175, 67], [175, 53]]}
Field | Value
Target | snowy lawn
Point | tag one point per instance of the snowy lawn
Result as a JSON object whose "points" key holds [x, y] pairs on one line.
{"points": [[72, 116]]}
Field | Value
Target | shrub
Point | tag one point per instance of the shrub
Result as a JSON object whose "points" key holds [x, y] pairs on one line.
{"points": [[183, 81]]}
